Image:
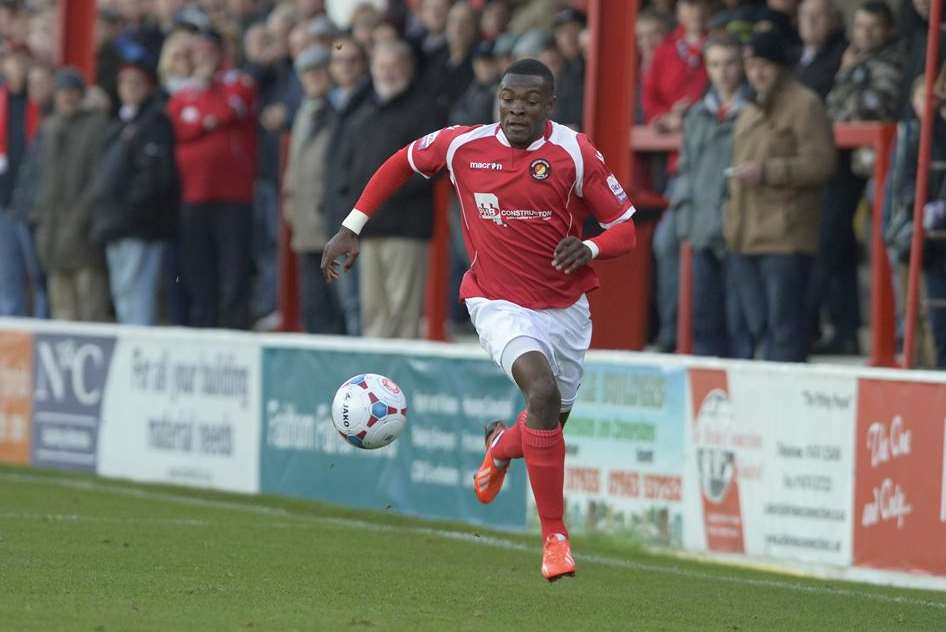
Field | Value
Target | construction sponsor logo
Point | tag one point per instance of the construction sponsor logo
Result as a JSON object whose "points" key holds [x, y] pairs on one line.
{"points": [[489, 209]]}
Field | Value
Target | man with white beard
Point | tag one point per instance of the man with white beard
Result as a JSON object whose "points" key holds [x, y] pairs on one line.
{"points": [[394, 246]]}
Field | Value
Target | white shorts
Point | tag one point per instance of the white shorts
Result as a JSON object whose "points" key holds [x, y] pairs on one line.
{"points": [[507, 331]]}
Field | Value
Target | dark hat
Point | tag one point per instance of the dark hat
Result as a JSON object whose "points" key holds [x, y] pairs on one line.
{"points": [[568, 15], [769, 45], [767, 19], [484, 50], [134, 54], [69, 78]]}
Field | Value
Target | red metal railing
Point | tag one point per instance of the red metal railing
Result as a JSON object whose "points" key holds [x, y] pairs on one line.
{"points": [[880, 137], [922, 182]]}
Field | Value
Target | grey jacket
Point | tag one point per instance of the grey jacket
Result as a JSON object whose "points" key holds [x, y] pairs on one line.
{"points": [[304, 181], [699, 192], [70, 153]]}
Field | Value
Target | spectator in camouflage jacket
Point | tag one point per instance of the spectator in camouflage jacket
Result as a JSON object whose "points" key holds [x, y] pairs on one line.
{"points": [[867, 86]]}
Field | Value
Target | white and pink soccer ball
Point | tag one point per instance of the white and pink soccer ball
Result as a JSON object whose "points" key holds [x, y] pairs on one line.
{"points": [[369, 411]]}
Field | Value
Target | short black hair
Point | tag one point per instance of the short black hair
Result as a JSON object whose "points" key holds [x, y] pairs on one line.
{"points": [[880, 9], [534, 68]]}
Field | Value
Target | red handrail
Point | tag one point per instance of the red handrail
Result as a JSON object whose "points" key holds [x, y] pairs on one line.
{"points": [[922, 181], [880, 137]]}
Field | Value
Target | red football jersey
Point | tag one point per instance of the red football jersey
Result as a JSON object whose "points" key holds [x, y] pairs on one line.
{"points": [[518, 204]]}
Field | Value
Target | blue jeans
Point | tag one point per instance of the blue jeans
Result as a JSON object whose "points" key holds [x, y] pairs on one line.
{"points": [[771, 291], [134, 275], [265, 248], [718, 326], [667, 256], [19, 270], [350, 299], [321, 311], [936, 290]]}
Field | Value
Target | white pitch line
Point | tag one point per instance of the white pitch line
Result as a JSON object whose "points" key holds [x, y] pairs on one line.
{"points": [[471, 538]]}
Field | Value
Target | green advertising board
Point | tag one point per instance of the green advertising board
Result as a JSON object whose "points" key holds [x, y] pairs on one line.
{"points": [[427, 472]]}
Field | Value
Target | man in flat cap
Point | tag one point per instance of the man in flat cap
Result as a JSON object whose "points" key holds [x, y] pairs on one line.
{"points": [[783, 154], [304, 192]]}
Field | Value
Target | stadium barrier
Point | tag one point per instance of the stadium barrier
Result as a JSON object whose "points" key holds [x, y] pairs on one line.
{"points": [[835, 471]]}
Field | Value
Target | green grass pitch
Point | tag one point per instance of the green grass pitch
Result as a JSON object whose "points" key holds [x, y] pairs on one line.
{"points": [[79, 553]]}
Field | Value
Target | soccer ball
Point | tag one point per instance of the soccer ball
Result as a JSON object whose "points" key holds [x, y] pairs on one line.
{"points": [[369, 411]]}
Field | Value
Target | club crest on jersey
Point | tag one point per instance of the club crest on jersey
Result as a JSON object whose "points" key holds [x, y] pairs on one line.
{"points": [[540, 169]]}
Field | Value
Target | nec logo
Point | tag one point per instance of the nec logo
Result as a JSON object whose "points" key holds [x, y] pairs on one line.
{"points": [[70, 370], [488, 206], [491, 166]]}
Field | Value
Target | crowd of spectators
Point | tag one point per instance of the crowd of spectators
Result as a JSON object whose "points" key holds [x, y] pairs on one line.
{"points": [[768, 202], [153, 194]]}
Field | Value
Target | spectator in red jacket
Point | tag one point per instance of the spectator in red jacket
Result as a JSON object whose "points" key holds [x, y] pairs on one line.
{"points": [[676, 77], [215, 129]]}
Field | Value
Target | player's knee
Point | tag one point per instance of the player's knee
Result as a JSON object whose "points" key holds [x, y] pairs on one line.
{"points": [[544, 401]]}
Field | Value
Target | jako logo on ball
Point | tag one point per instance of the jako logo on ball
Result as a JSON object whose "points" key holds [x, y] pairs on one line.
{"points": [[369, 411]]}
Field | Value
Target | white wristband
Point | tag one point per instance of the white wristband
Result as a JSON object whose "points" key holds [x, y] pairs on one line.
{"points": [[593, 247], [355, 221]]}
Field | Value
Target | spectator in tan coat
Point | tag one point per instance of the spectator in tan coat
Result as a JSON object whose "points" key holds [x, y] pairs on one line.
{"points": [[783, 154]]}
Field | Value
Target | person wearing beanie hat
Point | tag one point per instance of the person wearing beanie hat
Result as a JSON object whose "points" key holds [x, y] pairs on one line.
{"points": [[72, 144], [137, 194], [783, 155]]}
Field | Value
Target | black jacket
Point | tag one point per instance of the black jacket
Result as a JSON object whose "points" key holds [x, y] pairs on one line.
{"points": [[340, 195], [818, 75], [137, 190], [444, 82], [391, 126], [476, 106], [569, 108]]}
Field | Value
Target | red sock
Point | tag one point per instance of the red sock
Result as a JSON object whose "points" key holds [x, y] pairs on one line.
{"points": [[544, 452], [509, 445]]}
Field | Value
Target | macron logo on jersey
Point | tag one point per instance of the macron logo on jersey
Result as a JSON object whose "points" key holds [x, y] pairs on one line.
{"points": [[491, 166]]}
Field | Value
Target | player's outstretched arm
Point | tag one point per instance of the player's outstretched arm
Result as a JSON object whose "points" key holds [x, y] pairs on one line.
{"points": [[389, 177]]}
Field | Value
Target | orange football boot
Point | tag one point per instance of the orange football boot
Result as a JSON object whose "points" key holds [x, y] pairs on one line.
{"points": [[488, 480], [557, 560]]}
